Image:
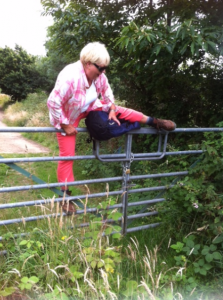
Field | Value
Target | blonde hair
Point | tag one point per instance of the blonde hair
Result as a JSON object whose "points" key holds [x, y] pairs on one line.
{"points": [[95, 53]]}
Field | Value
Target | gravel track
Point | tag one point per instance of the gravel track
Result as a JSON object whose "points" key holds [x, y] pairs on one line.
{"points": [[13, 142]]}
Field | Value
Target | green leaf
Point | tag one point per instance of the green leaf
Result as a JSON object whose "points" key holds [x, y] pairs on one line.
{"points": [[117, 259], [190, 243], [213, 45], [108, 230], [116, 236], [24, 279], [111, 253], [203, 272], [201, 262], [158, 48], [24, 242], [183, 49], [94, 264], [63, 296], [169, 48], [209, 257], [217, 255], [100, 264], [28, 286], [78, 275], [117, 228], [205, 251], [7, 291], [213, 247], [33, 279], [127, 42], [108, 261], [115, 216], [192, 48], [178, 247], [207, 267]]}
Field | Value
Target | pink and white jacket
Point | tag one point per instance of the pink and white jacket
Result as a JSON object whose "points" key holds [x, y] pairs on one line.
{"points": [[69, 94]]}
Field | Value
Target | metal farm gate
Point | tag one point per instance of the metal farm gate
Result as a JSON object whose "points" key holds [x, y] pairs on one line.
{"points": [[125, 178]]}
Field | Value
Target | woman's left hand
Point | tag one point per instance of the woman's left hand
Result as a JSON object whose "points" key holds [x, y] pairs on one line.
{"points": [[112, 116]]}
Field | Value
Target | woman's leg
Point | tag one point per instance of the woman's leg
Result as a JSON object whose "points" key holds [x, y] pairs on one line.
{"points": [[132, 115], [67, 148], [129, 114], [65, 167]]}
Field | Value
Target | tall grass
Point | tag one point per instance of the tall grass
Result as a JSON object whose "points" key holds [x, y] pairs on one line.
{"points": [[59, 259], [55, 261], [4, 100]]}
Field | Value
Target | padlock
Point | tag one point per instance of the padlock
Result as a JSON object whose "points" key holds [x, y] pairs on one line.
{"points": [[127, 171]]}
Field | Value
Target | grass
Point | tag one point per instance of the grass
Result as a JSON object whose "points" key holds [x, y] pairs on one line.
{"points": [[58, 259]]}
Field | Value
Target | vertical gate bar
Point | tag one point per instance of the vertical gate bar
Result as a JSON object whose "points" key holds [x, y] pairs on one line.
{"points": [[160, 142], [126, 173]]}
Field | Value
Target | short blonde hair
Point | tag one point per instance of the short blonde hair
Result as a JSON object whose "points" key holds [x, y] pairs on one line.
{"points": [[96, 53]]}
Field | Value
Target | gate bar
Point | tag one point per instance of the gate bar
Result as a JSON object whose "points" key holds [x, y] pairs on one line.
{"points": [[90, 181]]}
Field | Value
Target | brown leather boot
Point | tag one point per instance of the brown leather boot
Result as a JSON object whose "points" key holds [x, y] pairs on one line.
{"points": [[163, 124], [68, 207]]}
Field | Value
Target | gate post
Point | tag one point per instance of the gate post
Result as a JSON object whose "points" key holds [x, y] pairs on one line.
{"points": [[125, 181]]}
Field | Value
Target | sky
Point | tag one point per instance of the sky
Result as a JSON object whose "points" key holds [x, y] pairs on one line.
{"points": [[21, 23]]}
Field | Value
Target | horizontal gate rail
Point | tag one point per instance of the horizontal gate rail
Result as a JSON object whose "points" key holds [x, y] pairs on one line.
{"points": [[96, 195], [135, 131], [139, 156], [90, 181], [127, 184]]}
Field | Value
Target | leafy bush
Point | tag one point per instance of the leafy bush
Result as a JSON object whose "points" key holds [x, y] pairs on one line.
{"points": [[196, 203], [18, 73]]}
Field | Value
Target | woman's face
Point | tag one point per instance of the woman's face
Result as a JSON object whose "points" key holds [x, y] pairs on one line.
{"points": [[93, 70]]}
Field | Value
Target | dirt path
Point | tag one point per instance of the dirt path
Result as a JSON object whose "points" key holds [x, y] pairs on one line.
{"points": [[13, 142]]}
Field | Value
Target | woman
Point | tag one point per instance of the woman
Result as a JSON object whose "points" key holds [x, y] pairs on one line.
{"points": [[75, 94]]}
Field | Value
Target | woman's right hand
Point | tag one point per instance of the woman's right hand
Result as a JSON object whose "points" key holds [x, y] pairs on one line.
{"points": [[69, 129]]}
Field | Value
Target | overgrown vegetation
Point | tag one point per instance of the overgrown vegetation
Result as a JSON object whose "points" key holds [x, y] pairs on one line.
{"points": [[166, 61], [180, 259]]}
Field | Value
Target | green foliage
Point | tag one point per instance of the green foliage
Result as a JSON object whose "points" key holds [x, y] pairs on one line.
{"points": [[62, 259], [198, 203], [18, 74], [165, 55], [158, 59], [27, 283]]}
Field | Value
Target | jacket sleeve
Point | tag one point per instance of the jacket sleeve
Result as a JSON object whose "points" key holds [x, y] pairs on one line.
{"points": [[58, 97], [106, 92]]}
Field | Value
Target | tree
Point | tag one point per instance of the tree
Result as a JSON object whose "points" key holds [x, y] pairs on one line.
{"points": [[159, 50], [18, 74]]}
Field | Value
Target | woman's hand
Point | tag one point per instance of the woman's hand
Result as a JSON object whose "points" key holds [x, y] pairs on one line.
{"points": [[112, 116], [69, 129]]}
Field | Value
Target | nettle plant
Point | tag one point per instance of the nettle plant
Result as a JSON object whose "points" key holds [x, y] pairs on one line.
{"points": [[197, 203]]}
